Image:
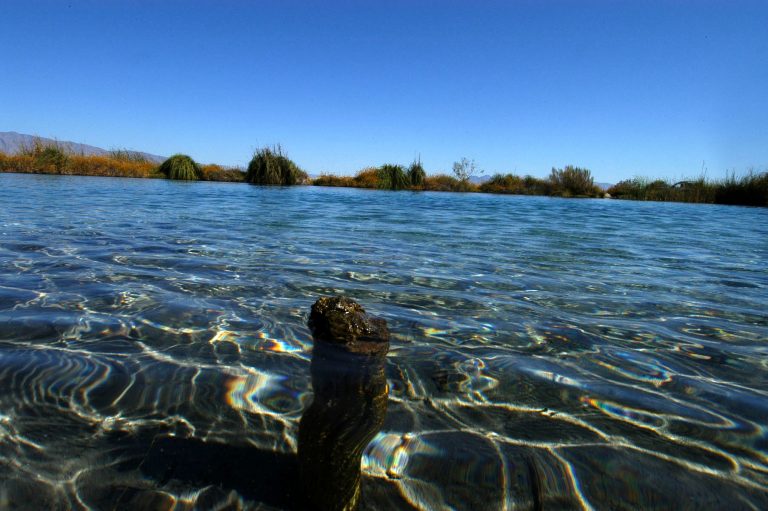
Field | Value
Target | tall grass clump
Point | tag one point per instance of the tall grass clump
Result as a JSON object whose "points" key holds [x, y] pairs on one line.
{"points": [[750, 189], [180, 167], [269, 166], [416, 174], [46, 157], [573, 181], [128, 155], [639, 188], [392, 177]]}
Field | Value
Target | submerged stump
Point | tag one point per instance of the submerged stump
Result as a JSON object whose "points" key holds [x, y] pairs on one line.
{"points": [[349, 404]]}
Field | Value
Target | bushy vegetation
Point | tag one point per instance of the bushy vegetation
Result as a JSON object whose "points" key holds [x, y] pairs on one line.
{"points": [[366, 178], [386, 177], [416, 174], [504, 183], [213, 172], [446, 183], [750, 190], [566, 182], [128, 155], [269, 166], [573, 182], [108, 167], [180, 167], [52, 158], [48, 157], [392, 177]]}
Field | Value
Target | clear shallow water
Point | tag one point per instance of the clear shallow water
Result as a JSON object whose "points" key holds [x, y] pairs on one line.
{"points": [[546, 353]]}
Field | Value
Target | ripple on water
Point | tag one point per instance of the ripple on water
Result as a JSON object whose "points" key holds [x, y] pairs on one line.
{"points": [[545, 353]]}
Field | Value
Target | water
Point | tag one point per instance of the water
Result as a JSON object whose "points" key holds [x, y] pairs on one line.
{"points": [[545, 353]]}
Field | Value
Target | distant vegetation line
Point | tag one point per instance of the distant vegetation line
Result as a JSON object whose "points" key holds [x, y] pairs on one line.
{"points": [[271, 166], [750, 189]]}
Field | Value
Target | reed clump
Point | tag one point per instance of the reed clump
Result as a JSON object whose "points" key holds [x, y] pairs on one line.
{"points": [[48, 157], [416, 175], [695, 190], [129, 156], [269, 166], [392, 177], [750, 189], [180, 167]]}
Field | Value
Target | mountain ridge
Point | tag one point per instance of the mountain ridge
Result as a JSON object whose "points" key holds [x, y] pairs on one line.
{"points": [[12, 142]]}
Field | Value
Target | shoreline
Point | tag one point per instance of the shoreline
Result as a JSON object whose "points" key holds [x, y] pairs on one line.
{"points": [[313, 185], [570, 182]]}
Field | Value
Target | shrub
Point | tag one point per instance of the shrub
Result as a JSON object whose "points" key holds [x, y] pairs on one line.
{"points": [[572, 181], [47, 157], [499, 183], [536, 186], [627, 189], [464, 170], [367, 178], [445, 183], [392, 177], [416, 174], [180, 167], [331, 180], [213, 172], [269, 166]]}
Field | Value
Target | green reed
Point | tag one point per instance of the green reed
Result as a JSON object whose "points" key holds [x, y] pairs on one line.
{"points": [[180, 167]]}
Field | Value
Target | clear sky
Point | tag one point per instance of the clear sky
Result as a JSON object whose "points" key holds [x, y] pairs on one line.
{"points": [[625, 88]]}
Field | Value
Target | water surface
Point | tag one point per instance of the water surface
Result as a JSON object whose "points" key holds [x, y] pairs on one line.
{"points": [[565, 354]]}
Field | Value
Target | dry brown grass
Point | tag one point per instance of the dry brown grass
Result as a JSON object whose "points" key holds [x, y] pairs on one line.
{"points": [[446, 183], [213, 172], [77, 165], [105, 166], [365, 178]]}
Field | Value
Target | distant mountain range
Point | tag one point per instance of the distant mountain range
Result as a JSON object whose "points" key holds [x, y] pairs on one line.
{"points": [[12, 142]]}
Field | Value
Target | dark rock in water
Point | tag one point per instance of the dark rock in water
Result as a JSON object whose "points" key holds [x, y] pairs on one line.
{"points": [[342, 321], [349, 404]]}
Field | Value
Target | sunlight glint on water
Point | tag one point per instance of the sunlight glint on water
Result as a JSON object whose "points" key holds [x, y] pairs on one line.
{"points": [[565, 353]]}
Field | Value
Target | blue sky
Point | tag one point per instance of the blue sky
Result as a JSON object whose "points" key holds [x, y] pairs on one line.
{"points": [[658, 89]]}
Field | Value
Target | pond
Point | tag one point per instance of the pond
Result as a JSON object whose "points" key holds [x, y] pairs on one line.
{"points": [[544, 353]]}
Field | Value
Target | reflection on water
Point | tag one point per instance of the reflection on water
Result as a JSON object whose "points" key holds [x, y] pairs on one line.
{"points": [[545, 353]]}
